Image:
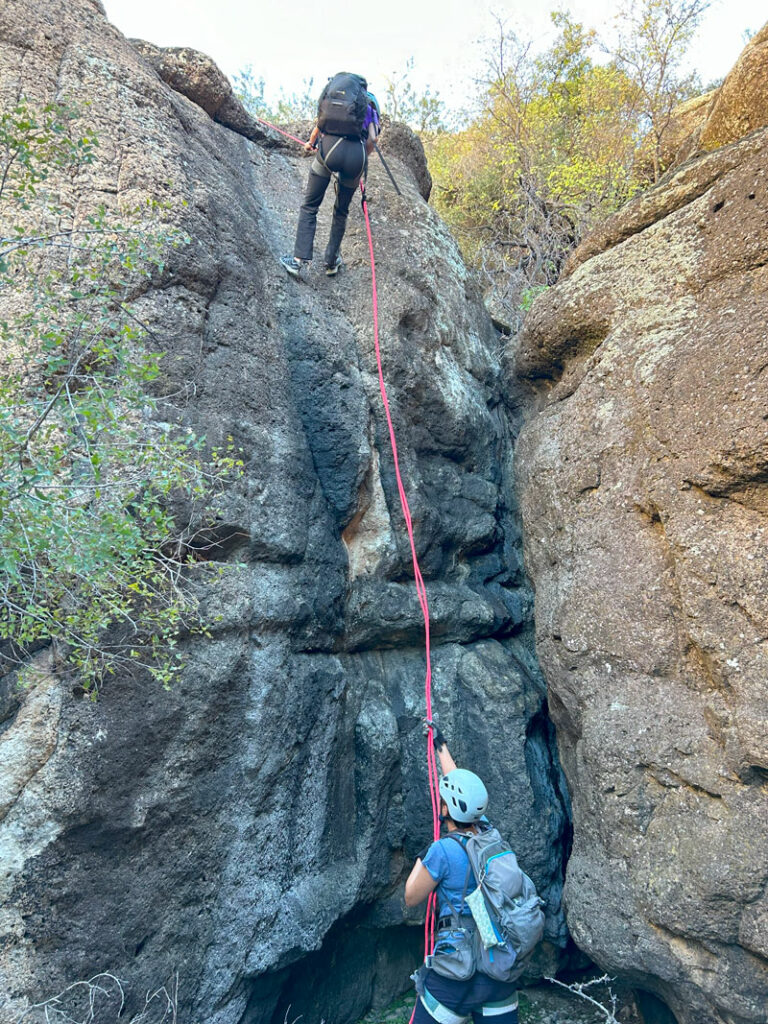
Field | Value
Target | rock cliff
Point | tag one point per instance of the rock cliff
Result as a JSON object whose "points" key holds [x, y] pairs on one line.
{"points": [[251, 829], [642, 475]]}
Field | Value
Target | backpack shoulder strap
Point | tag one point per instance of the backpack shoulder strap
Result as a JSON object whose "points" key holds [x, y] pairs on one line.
{"points": [[456, 839], [463, 845]]}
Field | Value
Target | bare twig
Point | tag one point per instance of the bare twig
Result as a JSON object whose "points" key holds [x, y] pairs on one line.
{"points": [[80, 1003], [53, 1010], [579, 988]]}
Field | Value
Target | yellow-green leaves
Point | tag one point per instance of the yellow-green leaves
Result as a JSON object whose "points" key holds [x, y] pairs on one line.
{"points": [[558, 144]]}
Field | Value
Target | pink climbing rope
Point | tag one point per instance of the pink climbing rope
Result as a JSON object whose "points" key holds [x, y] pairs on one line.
{"points": [[421, 590], [274, 128], [434, 792]]}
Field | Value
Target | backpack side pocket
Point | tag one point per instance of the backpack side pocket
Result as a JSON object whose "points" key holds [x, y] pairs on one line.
{"points": [[498, 962], [453, 956], [525, 924]]}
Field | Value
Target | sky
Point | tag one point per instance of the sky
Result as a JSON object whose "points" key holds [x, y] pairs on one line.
{"points": [[292, 41]]}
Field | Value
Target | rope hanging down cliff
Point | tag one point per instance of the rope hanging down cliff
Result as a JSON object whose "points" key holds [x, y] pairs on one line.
{"points": [[429, 923]]}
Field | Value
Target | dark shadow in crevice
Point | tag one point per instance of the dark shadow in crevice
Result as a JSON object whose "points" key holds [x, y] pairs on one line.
{"points": [[547, 776], [652, 1009], [359, 966], [217, 543]]}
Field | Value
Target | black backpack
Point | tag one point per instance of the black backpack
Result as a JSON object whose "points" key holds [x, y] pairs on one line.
{"points": [[342, 105]]}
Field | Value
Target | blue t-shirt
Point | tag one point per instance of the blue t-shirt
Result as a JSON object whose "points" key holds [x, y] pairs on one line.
{"points": [[447, 862]]}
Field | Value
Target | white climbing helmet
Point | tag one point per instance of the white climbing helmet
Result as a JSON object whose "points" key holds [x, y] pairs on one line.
{"points": [[465, 795]]}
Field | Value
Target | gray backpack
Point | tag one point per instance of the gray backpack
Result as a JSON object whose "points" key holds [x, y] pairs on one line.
{"points": [[505, 906]]}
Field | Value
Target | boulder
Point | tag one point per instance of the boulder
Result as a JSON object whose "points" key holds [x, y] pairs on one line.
{"points": [[643, 485], [679, 188], [246, 830], [723, 115], [189, 72], [741, 104], [196, 76], [681, 136], [401, 142]]}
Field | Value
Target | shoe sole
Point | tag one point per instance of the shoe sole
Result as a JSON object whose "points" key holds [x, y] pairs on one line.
{"points": [[332, 271]]}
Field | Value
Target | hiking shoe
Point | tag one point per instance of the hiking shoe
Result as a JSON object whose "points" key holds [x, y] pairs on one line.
{"points": [[292, 265], [332, 269]]}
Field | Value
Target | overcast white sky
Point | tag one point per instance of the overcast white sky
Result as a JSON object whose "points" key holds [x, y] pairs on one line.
{"points": [[287, 41]]}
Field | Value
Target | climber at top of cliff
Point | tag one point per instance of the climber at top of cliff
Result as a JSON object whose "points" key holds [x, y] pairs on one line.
{"points": [[443, 866], [347, 127]]}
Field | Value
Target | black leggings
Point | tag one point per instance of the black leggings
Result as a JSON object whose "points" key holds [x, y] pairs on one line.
{"points": [[346, 159]]}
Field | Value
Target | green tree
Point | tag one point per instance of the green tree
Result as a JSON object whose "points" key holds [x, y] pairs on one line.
{"points": [[296, 106], [560, 141], [250, 91], [653, 37], [91, 559], [423, 111], [550, 154], [300, 105]]}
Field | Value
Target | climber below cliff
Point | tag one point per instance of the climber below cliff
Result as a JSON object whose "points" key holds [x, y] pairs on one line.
{"points": [[455, 990], [347, 127]]}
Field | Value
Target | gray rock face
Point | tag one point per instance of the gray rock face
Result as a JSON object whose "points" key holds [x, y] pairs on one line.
{"points": [[271, 804], [399, 141], [642, 476]]}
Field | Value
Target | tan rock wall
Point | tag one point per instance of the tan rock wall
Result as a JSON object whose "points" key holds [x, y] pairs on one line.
{"points": [[724, 115], [741, 105], [643, 478]]}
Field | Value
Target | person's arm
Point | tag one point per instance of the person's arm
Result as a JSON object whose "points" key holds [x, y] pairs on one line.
{"points": [[370, 142], [447, 764], [419, 885], [310, 145]]}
